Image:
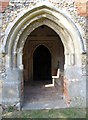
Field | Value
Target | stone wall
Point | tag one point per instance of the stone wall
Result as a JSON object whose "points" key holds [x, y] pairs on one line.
{"points": [[68, 7], [14, 8], [3, 5], [82, 7]]}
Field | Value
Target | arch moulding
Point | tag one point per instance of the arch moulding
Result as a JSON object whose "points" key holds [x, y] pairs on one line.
{"points": [[32, 18]]}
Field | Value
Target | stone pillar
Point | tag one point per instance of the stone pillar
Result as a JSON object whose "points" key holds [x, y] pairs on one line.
{"points": [[75, 86], [15, 60], [69, 60], [72, 59], [66, 60], [12, 93]]}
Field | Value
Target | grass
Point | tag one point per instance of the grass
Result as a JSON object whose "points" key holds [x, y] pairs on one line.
{"points": [[53, 113]]}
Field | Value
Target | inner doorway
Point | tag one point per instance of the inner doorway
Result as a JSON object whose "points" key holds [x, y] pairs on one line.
{"points": [[42, 64]]}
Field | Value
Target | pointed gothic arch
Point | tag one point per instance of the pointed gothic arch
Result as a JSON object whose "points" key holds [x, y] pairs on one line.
{"points": [[26, 22], [45, 14]]}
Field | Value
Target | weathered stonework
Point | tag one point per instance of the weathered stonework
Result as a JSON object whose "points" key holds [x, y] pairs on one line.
{"points": [[18, 20], [82, 7]]}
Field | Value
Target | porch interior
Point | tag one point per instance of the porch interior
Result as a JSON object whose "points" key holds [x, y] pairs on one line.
{"points": [[43, 54]]}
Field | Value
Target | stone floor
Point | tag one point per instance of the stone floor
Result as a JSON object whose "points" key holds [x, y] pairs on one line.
{"points": [[42, 96]]}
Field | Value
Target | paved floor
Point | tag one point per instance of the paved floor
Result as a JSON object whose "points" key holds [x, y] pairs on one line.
{"points": [[42, 96]]}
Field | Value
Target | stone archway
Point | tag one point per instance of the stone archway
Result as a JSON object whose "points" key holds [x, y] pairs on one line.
{"points": [[17, 33]]}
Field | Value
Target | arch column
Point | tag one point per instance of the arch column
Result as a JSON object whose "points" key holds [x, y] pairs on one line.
{"points": [[13, 93]]}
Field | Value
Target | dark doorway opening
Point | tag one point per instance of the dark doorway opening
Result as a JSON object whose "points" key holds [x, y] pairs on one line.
{"points": [[42, 64]]}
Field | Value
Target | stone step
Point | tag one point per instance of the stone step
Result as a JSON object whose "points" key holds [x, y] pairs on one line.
{"points": [[45, 105]]}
